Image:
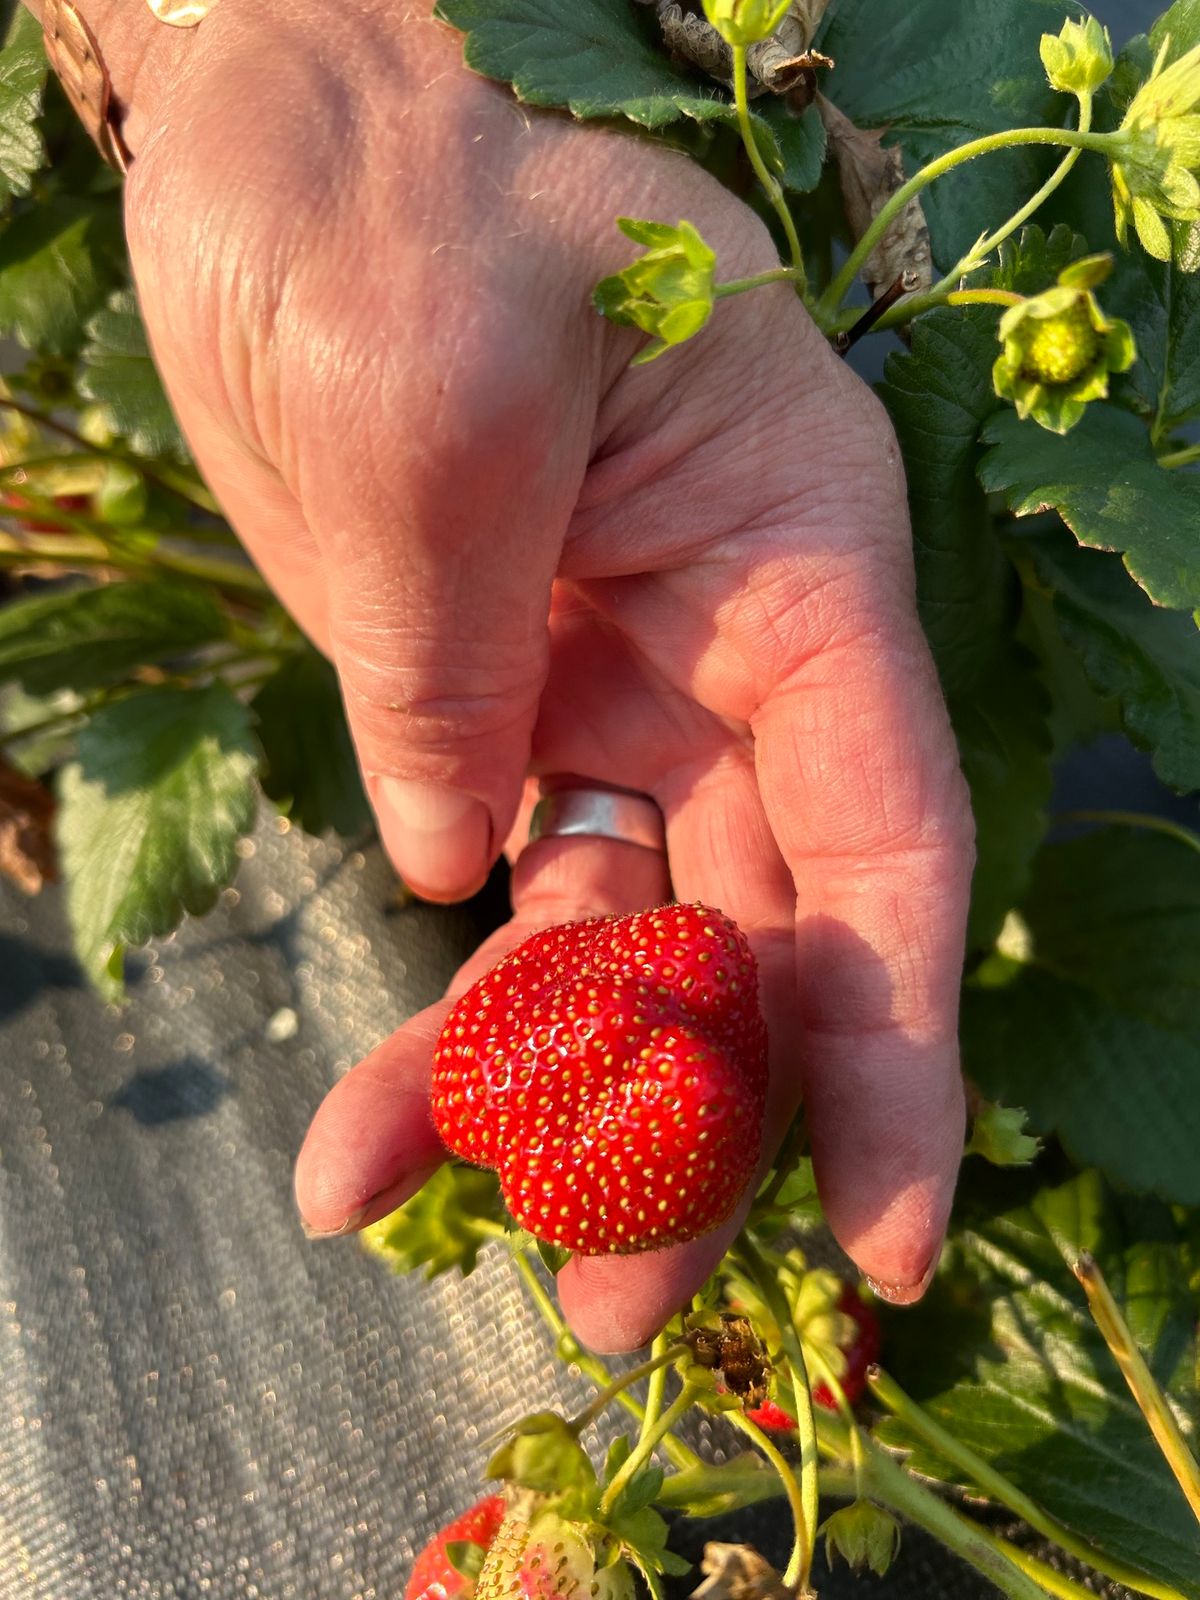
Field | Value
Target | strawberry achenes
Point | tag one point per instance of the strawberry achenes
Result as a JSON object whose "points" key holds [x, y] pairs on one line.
{"points": [[549, 1559], [433, 1577], [613, 1073]]}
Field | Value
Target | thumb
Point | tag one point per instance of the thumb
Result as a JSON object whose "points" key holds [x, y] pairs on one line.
{"points": [[439, 546]]}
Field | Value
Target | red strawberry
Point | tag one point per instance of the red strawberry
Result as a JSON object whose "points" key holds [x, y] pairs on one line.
{"points": [[31, 522], [860, 1353], [772, 1418], [550, 1559], [433, 1577], [613, 1073]]}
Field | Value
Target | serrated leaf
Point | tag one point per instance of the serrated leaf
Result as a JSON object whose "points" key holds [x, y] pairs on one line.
{"points": [[89, 638], [1043, 1399], [1033, 260], [444, 1226], [1103, 480], [942, 73], [311, 769], [1094, 1030], [119, 373], [150, 814], [1144, 657], [58, 262], [940, 395], [22, 79], [602, 58], [1162, 305]]}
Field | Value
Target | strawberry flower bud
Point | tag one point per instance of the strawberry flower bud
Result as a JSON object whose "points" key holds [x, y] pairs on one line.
{"points": [[1059, 348], [1156, 178], [668, 292], [745, 22], [864, 1535], [1079, 59]]}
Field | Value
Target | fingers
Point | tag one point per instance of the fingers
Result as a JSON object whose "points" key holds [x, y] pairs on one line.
{"points": [[859, 775]]}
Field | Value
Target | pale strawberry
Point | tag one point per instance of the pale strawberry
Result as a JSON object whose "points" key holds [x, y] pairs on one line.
{"points": [[613, 1073], [433, 1576], [549, 1559]]}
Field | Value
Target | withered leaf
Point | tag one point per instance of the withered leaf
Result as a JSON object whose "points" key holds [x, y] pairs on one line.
{"points": [[738, 1572], [27, 854]]}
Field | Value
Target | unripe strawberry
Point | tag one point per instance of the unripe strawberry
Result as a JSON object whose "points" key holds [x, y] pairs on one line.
{"points": [[549, 1559]]}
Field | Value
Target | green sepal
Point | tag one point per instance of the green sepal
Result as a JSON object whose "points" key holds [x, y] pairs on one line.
{"points": [[998, 1135], [543, 1454], [444, 1226], [863, 1534], [553, 1257], [668, 292], [466, 1557]]}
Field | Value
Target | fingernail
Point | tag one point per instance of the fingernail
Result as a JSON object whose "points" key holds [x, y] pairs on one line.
{"points": [[351, 1225], [439, 839], [905, 1294]]}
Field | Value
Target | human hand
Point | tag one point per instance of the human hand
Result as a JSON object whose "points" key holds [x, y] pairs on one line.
{"points": [[366, 277]]}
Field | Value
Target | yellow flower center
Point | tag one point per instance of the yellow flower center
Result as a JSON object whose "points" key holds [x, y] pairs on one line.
{"points": [[1062, 348]]}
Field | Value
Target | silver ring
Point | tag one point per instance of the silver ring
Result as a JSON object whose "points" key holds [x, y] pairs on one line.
{"points": [[599, 814]]}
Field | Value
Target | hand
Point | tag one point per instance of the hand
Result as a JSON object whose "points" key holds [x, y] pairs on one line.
{"points": [[366, 276]]}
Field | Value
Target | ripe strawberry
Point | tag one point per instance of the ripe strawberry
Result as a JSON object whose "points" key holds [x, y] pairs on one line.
{"points": [[433, 1577], [549, 1559], [771, 1418], [860, 1353], [613, 1073], [16, 505]]}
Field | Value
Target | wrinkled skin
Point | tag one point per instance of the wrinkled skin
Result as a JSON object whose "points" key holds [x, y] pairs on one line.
{"points": [[366, 276]]}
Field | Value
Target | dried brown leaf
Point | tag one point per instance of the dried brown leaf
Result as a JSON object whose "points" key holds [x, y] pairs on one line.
{"points": [[738, 1572], [776, 65], [27, 854]]}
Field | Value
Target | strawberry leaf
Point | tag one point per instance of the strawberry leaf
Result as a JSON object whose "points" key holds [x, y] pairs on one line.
{"points": [[1090, 1021], [1039, 1394], [1148, 514], [118, 372], [444, 1226], [22, 80], [151, 811], [1145, 658], [311, 770], [89, 638], [58, 262]]}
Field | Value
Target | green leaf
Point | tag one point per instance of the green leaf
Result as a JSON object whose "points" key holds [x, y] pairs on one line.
{"points": [[444, 1226], [151, 812], [1104, 482], [119, 373], [1092, 1025], [311, 769], [1033, 260], [801, 142], [1146, 658], [89, 638], [1162, 305], [22, 80], [641, 1491], [58, 262], [1041, 1397], [998, 1135], [942, 73], [597, 58], [940, 395]]}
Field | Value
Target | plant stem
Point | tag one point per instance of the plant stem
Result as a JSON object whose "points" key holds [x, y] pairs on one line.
{"points": [[1151, 1401], [46, 725], [982, 297], [655, 1368], [770, 183], [997, 1487], [1180, 458], [589, 1365], [646, 1446], [722, 291], [1012, 138], [1134, 819], [657, 1387], [800, 1562], [767, 1284]]}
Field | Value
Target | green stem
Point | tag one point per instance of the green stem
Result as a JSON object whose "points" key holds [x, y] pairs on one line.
{"points": [[997, 1487], [1150, 1398], [1010, 139], [799, 1564], [657, 1387], [221, 574], [1180, 458], [46, 725], [655, 1368], [1134, 819], [767, 1284], [722, 291], [589, 1365], [770, 183], [646, 1446]]}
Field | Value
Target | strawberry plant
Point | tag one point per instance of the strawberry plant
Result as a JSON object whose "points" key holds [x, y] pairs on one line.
{"points": [[1004, 205]]}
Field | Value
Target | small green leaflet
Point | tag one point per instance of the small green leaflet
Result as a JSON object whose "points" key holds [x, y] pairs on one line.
{"points": [[90, 638], [22, 79], [601, 58], [1145, 658], [119, 373], [58, 262], [1091, 1026], [1040, 1396], [1162, 305], [311, 769], [1105, 483], [151, 811], [443, 1227]]}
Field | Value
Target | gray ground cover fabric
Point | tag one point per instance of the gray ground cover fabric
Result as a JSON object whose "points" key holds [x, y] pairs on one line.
{"points": [[194, 1399]]}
